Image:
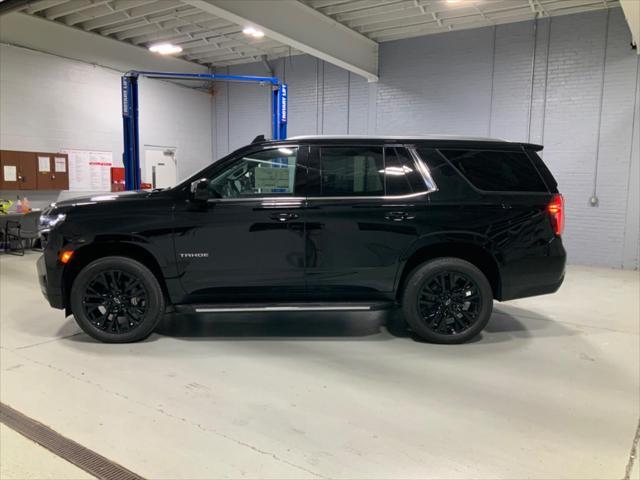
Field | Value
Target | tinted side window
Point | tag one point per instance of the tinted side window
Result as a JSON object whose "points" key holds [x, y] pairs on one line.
{"points": [[397, 172], [544, 171], [351, 171], [497, 171], [263, 173]]}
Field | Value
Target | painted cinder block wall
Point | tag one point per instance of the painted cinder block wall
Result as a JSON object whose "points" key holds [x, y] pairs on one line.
{"points": [[48, 103], [580, 100]]}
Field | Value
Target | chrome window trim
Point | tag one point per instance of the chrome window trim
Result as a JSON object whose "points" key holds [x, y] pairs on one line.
{"points": [[372, 197], [298, 200], [295, 201], [264, 199]]}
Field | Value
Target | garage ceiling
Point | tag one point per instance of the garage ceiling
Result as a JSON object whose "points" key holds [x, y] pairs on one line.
{"points": [[385, 20], [214, 40]]}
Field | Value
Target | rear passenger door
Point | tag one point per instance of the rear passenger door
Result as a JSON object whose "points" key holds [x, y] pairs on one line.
{"points": [[363, 210]]}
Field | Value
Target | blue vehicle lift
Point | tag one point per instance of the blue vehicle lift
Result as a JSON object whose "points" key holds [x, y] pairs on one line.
{"points": [[131, 155]]}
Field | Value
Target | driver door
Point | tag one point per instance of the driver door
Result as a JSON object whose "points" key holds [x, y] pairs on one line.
{"points": [[246, 242]]}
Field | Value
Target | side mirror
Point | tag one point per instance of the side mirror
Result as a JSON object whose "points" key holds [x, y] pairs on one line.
{"points": [[200, 190]]}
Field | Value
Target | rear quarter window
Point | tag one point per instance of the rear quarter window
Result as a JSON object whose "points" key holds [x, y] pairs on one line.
{"points": [[497, 171], [544, 171]]}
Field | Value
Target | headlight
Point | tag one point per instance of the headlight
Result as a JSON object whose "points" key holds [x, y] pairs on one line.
{"points": [[47, 222]]}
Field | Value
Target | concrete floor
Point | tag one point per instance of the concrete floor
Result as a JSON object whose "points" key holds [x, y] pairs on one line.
{"points": [[22, 459], [550, 390]]}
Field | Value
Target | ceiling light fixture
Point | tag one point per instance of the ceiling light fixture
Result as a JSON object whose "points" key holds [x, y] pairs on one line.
{"points": [[453, 1], [165, 48], [254, 32]]}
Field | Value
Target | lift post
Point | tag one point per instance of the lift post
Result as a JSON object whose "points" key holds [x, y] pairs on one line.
{"points": [[130, 114]]}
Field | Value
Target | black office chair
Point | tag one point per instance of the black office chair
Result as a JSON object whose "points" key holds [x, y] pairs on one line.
{"points": [[24, 231]]}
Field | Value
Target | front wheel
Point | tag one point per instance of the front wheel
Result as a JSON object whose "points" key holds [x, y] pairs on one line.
{"points": [[447, 300], [117, 300]]}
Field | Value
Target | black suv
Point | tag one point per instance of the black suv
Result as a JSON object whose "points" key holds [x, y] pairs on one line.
{"points": [[441, 226]]}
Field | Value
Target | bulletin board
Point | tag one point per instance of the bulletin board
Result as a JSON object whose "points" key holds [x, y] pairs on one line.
{"points": [[89, 170]]}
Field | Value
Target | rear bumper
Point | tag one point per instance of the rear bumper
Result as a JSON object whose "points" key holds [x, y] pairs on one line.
{"points": [[50, 284], [539, 274]]}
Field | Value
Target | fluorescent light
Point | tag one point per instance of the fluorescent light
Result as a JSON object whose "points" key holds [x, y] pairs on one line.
{"points": [[453, 1], [165, 48], [254, 32]]}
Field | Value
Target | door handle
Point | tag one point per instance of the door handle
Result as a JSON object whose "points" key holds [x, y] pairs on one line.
{"points": [[398, 216], [284, 216]]}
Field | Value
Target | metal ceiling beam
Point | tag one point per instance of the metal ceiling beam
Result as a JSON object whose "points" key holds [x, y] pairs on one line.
{"points": [[139, 21], [302, 27], [87, 14], [9, 6], [500, 17], [119, 11], [200, 46], [185, 32], [37, 33], [355, 18], [356, 6], [227, 32], [243, 50], [631, 9], [326, 3], [156, 27], [71, 7], [223, 56], [35, 7], [145, 15], [402, 17]]}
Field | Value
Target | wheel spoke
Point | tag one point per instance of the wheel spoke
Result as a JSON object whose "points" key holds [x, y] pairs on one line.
{"points": [[115, 301], [449, 302]]}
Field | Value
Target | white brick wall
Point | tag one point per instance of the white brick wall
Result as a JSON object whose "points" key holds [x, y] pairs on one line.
{"points": [[478, 82], [48, 103]]}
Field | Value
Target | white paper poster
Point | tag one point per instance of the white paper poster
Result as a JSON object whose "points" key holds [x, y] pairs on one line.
{"points": [[44, 165], [10, 173], [89, 170], [60, 165]]}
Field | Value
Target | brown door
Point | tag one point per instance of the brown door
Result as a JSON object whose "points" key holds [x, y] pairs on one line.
{"points": [[27, 175], [44, 163], [60, 171], [9, 169]]}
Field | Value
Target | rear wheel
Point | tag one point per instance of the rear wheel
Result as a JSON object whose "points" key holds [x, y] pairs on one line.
{"points": [[117, 300], [447, 300]]}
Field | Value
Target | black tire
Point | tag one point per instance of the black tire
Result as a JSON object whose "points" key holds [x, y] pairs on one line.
{"points": [[447, 300], [117, 300]]}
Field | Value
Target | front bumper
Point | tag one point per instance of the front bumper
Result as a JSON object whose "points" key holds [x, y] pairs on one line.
{"points": [[49, 284]]}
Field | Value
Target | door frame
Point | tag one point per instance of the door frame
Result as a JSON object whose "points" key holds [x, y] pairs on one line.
{"points": [[160, 148]]}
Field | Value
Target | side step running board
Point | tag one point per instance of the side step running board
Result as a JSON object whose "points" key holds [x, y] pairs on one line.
{"points": [[296, 307]]}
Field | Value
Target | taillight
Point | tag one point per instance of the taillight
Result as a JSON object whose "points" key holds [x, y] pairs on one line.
{"points": [[556, 212]]}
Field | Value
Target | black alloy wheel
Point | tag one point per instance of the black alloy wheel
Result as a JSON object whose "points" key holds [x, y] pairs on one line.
{"points": [[117, 300], [447, 300], [450, 302]]}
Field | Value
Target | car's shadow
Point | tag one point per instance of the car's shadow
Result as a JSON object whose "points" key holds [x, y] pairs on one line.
{"points": [[507, 323]]}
